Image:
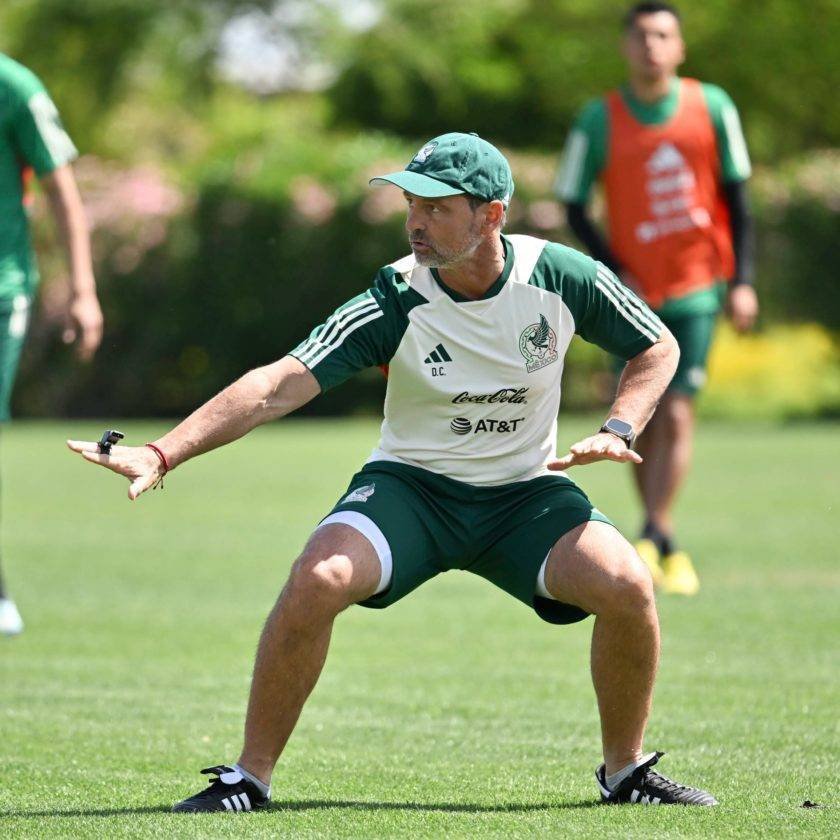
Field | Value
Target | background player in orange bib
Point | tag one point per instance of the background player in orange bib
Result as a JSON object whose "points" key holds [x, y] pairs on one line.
{"points": [[672, 160]]}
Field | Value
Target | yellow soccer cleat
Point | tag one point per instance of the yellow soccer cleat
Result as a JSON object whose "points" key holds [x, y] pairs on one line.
{"points": [[650, 555], [678, 575]]}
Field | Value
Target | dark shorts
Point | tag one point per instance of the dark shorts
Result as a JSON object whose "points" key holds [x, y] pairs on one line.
{"points": [[14, 321], [694, 333], [434, 524]]}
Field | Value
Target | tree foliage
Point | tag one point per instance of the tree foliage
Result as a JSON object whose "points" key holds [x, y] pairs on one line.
{"points": [[518, 70], [275, 223]]}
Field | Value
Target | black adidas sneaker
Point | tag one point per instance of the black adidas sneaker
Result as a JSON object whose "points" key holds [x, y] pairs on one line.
{"points": [[229, 791], [646, 787]]}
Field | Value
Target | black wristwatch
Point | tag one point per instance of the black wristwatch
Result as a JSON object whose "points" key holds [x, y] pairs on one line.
{"points": [[621, 429]]}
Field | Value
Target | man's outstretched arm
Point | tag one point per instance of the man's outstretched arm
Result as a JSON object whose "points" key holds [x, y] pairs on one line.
{"points": [[259, 396], [642, 384]]}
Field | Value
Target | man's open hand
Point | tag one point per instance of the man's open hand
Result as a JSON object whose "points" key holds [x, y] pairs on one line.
{"points": [[139, 464], [601, 447], [84, 322], [742, 305]]}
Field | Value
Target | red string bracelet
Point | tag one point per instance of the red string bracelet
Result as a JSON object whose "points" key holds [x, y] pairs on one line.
{"points": [[163, 462]]}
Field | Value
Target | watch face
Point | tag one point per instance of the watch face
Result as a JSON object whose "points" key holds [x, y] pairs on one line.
{"points": [[619, 427]]}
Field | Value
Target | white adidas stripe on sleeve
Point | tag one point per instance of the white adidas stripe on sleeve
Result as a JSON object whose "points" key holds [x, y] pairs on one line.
{"points": [[567, 184], [336, 328], [48, 123], [338, 319], [737, 143], [643, 313], [311, 361], [625, 312]]}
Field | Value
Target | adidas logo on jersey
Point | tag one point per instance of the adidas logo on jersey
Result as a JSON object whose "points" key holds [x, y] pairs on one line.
{"points": [[437, 356], [436, 359]]}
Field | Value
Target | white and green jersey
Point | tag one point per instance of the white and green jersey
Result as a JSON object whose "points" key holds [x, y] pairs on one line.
{"points": [[474, 385]]}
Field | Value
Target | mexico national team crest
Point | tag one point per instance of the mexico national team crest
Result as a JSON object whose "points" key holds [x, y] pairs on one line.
{"points": [[538, 344]]}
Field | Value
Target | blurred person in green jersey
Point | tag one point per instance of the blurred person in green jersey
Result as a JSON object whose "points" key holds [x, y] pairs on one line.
{"points": [[672, 160], [34, 143]]}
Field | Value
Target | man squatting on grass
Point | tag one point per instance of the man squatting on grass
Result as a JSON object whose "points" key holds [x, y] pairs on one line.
{"points": [[473, 327]]}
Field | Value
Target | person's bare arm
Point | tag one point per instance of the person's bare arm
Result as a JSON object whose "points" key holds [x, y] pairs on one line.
{"points": [[642, 384], [259, 396], [84, 316]]}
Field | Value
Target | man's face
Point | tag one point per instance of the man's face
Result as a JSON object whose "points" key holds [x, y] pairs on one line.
{"points": [[442, 231], [653, 46]]}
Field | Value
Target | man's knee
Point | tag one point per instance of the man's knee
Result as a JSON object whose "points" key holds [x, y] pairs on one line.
{"points": [[629, 586], [321, 582], [595, 568]]}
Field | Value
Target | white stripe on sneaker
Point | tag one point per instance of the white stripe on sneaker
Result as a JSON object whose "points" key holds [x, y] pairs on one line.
{"points": [[236, 803], [246, 802], [226, 803]]}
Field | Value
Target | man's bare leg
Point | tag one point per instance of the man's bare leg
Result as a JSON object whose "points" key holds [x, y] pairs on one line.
{"points": [[595, 568], [666, 447], [647, 446], [338, 567]]}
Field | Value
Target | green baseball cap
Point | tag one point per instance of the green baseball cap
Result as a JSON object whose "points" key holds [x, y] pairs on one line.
{"points": [[454, 164]]}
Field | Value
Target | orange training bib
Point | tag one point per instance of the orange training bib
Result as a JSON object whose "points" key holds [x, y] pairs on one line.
{"points": [[668, 222]]}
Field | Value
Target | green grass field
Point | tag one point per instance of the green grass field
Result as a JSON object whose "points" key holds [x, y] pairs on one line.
{"points": [[456, 713]]}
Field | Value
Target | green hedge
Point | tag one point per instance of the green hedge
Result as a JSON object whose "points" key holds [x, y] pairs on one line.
{"points": [[276, 228]]}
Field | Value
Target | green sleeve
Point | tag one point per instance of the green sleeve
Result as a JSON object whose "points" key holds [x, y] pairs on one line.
{"points": [[604, 310], [584, 155], [35, 125], [732, 148], [362, 333]]}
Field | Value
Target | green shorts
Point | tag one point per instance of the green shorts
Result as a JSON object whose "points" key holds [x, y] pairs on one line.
{"points": [[14, 321], [694, 335], [425, 524], [692, 321]]}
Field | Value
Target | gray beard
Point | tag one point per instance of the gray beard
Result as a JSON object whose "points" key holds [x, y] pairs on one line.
{"points": [[434, 260], [438, 260]]}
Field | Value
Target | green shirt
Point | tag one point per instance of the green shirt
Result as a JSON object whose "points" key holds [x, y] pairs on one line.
{"points": [[585, 153], [31, 134]]}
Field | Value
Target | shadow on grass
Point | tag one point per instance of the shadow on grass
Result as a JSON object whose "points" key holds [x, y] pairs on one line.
{"points": [[327, 804]]}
